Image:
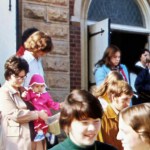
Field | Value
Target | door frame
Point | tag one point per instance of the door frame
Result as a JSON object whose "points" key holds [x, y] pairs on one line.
{"points": [[81, 8]]}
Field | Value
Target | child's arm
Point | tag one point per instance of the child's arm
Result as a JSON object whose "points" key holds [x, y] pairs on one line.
{"points": [[25, 95], [51, 103]]}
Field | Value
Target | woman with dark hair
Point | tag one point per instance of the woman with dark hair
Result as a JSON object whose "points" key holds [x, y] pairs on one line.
{"points": [[142, 84], [110, 61], [134, 127], [16, 117], [142, 63], [80, 118]]}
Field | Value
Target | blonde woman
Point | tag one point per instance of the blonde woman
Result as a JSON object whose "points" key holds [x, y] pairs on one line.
{"points": [[37, 45], [134, 127], [101, 91]]}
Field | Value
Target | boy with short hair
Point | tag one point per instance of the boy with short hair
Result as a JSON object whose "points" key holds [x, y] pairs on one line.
{"points": [[80, 118], [120, 94]]}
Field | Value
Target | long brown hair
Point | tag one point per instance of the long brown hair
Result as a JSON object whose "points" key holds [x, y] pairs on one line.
{"points": [[108, 54]]}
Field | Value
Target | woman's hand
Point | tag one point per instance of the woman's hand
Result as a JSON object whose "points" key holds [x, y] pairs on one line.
{"points": [[61, 105], [43, 115]]}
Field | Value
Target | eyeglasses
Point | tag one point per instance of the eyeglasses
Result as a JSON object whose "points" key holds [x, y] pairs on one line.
{"points": [[19, 77]]}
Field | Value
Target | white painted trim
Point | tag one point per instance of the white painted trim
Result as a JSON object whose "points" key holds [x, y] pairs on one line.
{"points": [[75, 19], [145, 10], [118, 26], [129, 28]]}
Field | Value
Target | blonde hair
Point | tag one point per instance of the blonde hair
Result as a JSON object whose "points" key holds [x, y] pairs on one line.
{"points": [[39, 41], [138, 117], [118, 88], [113, 76]]}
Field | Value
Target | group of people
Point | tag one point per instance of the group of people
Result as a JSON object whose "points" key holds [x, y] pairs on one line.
{"points": [[25, 103], [115, 93], [102, 120], [138, 77]]}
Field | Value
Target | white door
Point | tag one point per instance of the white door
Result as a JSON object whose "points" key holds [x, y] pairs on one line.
{"points": [[98, 42], [7, 32]]}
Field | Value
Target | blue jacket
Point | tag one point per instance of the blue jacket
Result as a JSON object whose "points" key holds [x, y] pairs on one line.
{"points": [[101, 72]]}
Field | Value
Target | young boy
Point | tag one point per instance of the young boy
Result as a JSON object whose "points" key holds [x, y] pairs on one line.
{"points": [[120, 94], [80, 118]]}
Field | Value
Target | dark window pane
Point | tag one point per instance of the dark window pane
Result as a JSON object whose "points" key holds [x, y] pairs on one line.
{"points": [[125, 12]]}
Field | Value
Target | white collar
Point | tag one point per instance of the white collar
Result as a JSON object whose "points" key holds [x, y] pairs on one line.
{"points": [[139, 64]]}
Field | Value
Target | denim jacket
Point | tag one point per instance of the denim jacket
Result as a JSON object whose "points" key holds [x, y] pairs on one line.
{"points": [[100, 73]]}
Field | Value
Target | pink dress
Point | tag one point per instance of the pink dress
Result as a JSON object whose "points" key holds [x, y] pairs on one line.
{"points": [[42, 101]]}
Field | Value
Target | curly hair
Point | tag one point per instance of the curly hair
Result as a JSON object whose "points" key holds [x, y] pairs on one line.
{"points": [[39, 41], [14, 65]]}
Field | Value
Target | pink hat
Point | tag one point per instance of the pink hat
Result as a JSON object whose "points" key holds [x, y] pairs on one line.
{"points": [[36, 79]]}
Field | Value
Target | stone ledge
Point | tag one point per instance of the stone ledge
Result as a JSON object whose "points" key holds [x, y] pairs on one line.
{"points": [[53, 2]]}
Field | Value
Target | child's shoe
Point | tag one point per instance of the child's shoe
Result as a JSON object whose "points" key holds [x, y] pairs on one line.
{"points": [[39, 137], [50, 138]]}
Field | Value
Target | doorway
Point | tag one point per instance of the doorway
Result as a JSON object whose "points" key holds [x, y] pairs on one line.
{"points": [[130, 45]]}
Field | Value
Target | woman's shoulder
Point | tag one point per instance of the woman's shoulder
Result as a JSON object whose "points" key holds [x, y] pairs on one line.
{"points": [[4, 89], [28, 56], [123, 65], [143, 73], [105, 146], [102, 67], [4, 93]]}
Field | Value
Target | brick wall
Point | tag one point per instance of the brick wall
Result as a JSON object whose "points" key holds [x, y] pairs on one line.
{"points": [[75, 52], [75, 57]]}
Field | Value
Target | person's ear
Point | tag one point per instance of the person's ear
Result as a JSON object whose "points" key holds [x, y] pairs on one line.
{"points": [[66, 129], [112, 97]]}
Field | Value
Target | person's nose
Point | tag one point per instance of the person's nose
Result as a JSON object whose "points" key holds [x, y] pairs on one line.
{"points": [[118, 58], [119, 136], [91, 127], [128, 102]]}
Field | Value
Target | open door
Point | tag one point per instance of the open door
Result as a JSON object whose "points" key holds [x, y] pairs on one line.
{"points": [[98, 42]]}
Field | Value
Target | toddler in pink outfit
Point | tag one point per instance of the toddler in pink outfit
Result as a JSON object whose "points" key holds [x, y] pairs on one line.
{"points": [[41, 100]]}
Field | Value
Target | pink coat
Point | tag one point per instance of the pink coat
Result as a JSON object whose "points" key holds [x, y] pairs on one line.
{"points": [[42, 101]]}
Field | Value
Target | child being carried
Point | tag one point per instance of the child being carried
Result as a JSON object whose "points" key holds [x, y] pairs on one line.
{"points": [[41, 100]]}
